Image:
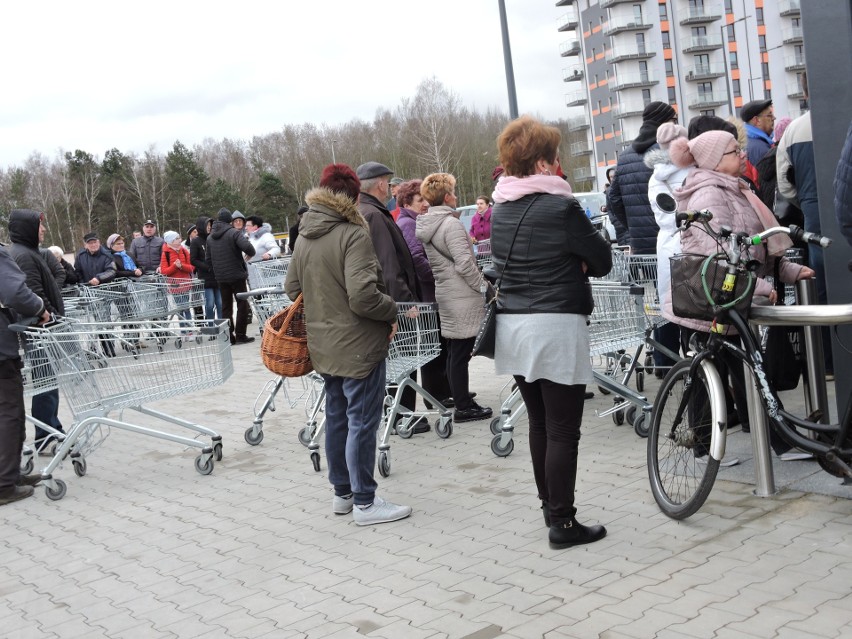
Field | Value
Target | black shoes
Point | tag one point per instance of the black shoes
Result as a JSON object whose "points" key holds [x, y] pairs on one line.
{"points": [[15, 493], [472, 414], [242, 339], [588, 395], [449, 402], [29, 480], [571, 533]]}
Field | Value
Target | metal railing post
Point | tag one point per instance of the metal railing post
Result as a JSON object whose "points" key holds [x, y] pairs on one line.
{"points": [[764, 478], [813, 376]]}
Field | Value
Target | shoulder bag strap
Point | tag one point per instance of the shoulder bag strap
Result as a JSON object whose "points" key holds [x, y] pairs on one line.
{"points": [[511, 246]]}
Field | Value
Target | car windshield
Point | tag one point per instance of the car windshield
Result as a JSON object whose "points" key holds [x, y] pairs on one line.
{"points": [[592, 201]]}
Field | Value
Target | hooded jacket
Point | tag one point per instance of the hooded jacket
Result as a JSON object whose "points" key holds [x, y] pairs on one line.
{"points": [[391, 249], [458, 282], [348, 314], [225, 248], [16, 300], [723, 195], [23, 233], [198, 252], [627, 199], [100, 265], [146, 251], [264, 242]]}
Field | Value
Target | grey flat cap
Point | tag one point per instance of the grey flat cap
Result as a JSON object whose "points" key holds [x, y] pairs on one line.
{"points": [[756, 107], [370, 170]]}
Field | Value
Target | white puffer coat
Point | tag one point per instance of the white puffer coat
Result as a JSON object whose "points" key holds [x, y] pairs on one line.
{"points": [[457, 278]]}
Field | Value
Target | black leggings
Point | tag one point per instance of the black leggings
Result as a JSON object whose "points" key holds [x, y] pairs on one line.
{"points": [[458, 357], [555, 414]]}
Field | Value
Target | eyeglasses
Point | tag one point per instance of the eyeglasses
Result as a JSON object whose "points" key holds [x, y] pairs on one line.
{"points": [[737, 151], [771, 116]]}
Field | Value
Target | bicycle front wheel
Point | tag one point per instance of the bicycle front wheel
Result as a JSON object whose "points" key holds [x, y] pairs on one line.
{"points": [[680, 467]]}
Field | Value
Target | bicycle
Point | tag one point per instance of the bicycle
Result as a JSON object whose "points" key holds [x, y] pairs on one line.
{"points": [[689, 418]]}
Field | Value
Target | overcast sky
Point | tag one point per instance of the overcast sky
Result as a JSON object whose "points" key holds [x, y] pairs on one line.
{"points": [[95, 75]]}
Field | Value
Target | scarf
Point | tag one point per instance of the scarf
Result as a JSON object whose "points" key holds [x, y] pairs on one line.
{"points": [[129, 265], [753, 132], [511, 188]]}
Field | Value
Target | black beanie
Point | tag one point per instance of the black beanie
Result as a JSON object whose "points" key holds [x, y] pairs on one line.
{"points": [[658, 113], [224, 215]]}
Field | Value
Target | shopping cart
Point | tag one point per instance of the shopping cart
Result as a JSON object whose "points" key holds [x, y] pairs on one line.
{"points": [[484, 258], [503, 426], [96, 381], [268, 273], [417, 342]]}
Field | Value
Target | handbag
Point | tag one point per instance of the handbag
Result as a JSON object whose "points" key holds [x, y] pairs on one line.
{"points": [[284, 346], [782, 350], [690, 290], [486, 338]]}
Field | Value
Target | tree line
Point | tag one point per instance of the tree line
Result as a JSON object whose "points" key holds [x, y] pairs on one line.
{"points": [[268, 175]]}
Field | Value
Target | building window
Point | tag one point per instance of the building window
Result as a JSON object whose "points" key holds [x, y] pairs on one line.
{"points": [[646, 96], [667, 42], [764, 69], [731, 35], [669, 68], [732, 58], [640, 42], [596, 79], [736, 86], [672, 98], [758, 15], [664, 12], [708, 112], [761, 42], [705, 88], [603, 132], [729, 6], [797, 22], [599, 106], [699, 31], [637, 13]]}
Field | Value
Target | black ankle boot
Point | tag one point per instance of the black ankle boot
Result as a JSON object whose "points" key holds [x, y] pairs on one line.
{"points": [[569, 533], [545, 510]]}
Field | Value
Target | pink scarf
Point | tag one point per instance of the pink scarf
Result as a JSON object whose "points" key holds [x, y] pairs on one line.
{"points": [[777, 244], [512, 188]]}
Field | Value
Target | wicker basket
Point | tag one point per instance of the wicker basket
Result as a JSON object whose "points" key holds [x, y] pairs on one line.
{"points": [[284, 348], [689, 298]]}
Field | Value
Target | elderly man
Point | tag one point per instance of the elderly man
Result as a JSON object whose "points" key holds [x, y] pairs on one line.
{"points": [[759, 118], [146, 250], [93, 265]]}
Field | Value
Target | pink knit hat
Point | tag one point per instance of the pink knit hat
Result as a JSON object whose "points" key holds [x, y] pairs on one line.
{"points": [[705, 151], [668, 133], [780, 127]]}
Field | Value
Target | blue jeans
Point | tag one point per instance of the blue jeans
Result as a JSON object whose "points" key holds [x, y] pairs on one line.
{"points": [[45, 408], [212, 303], [353, 412]]}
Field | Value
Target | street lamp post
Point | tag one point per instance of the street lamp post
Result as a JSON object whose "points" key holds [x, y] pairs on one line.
{"points": [[725, 62], [507, 60], [333, 160]]}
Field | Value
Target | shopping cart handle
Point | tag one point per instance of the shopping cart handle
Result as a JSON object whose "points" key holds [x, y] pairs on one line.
{"points": [[24, 323], [258, 292]]}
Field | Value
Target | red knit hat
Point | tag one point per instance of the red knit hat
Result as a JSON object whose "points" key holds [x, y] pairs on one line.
{"points": [[340, 178]]}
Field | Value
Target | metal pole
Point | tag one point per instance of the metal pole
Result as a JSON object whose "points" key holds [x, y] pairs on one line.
{"points": [[333, 160], [816, 395], [727, 74], [764, 479], [507, 59]]}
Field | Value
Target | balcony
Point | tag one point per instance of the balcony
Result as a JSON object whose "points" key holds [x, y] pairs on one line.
{"points": [[791, 35], [790, 7], [569, 47], [575, 98], [564, 3], [583, 173], [632, 80], [693, 44], [621, 24], [573, 73], [794, 90], [704, 72], [581, 148], [618, 54], [566, 22], [629, 108], [579, 125], [702, 15], [612, 3], [795, 62], [706, 99]]}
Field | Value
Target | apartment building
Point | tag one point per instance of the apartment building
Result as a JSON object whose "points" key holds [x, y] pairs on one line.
{"points": [[700, 56]]}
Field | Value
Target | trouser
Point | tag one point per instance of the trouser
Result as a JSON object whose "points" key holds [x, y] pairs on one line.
{"points": [[353, 412], [555, 414], [458, 357], [668, 335], [229, 291], [12, 422], [212, 303], [434, 375], [45, 408]]}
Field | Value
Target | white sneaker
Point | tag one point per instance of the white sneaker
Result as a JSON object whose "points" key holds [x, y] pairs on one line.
{"points": [[342, 505], [795, 455], [380, 512]]}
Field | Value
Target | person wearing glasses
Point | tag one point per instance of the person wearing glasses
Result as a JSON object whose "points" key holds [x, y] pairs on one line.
{"points": [[759, 118]]}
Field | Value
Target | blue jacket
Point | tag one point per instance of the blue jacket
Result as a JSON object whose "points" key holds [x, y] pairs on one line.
{"points": [[100, 265], [843, 188], [758, 143], [627, 202]]}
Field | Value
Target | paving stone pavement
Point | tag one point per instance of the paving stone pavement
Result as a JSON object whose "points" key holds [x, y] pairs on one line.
{"points": [[143, 546]]}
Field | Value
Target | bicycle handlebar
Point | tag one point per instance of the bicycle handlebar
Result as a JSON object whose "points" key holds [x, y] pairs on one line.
{"points": [[795, 232], [693, 216]]}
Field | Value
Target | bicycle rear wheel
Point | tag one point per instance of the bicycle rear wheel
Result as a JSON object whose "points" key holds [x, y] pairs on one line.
{"points": [[680, 468]]}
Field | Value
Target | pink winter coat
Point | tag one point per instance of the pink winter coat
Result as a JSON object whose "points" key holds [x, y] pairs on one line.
{"points": [[480, 225], [723, 195]]}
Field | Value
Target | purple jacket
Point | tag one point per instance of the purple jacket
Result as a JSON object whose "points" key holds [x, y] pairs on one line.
{"points": [[480, 225], [407, 222]]}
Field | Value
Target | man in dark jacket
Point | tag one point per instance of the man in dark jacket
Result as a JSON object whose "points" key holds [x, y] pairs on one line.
{"points": [[225, 248], [93, 265], [843, 188], [16, 299], [197, 257], [146, 250], [26, 231]]}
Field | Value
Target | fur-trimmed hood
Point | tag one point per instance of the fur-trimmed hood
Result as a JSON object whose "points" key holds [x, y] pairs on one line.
{"points": [[327, 209], [656, 156]]}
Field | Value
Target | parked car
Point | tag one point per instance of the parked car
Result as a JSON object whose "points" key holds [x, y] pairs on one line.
{"points": [[594, 202], [466, 215]]}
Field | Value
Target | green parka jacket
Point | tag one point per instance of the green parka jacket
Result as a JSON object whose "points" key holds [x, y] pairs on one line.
{"points": [[348, 314]]}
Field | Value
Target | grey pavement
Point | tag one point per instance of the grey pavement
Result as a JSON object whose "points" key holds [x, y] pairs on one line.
{"points": [[143, 546]]}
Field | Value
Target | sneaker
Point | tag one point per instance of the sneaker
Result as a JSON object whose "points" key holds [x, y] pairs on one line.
{"points": [[15, 493], [29, 480], [380, 512], [472, 414], [342, 505], [795, 455]]}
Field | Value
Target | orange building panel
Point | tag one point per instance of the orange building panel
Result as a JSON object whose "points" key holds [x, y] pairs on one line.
{"points": [[738, 102], [608, 136], [761, 29], [670, 82], [603, 82], [596, 29], [768, 84], [667, 54], [598, 138], [600, 55], [735, 74], [605, 109], [664, 25]]}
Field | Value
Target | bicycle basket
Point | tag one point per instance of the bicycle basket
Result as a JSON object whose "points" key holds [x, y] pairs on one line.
{"points": [[284, 347], [689, 297]]}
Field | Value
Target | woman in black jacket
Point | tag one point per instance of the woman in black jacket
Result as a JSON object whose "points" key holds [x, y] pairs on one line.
{"points": [[546, 248]]}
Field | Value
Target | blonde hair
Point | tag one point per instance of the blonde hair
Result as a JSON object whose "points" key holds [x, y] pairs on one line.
{"points": [[524, 142], [742, 136], [436, 187]]}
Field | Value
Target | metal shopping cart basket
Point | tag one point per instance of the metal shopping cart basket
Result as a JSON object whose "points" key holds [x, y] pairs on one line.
{"points": [[97, 379], [484, 257], [268, 273]]}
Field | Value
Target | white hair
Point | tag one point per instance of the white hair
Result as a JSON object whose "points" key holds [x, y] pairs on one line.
{"points": [[57, 251]]}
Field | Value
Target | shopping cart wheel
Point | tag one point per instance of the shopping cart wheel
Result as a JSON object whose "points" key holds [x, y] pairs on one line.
{"points": [[217, 451], [502, 451], [384, 464], [79, 466], [649, 364], [58, 493], [496, 426], [640, 380], [254, 438], [305, 436], [641, 425], [28, 466], [315, 460], [178, 343], [444, 427], [405, 428], [204, 467], [631, 415], [618, 417]]}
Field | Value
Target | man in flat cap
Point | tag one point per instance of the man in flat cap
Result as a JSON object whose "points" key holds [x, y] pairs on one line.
{"points": [[759, 118], [146, 250], [391, 204]]}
